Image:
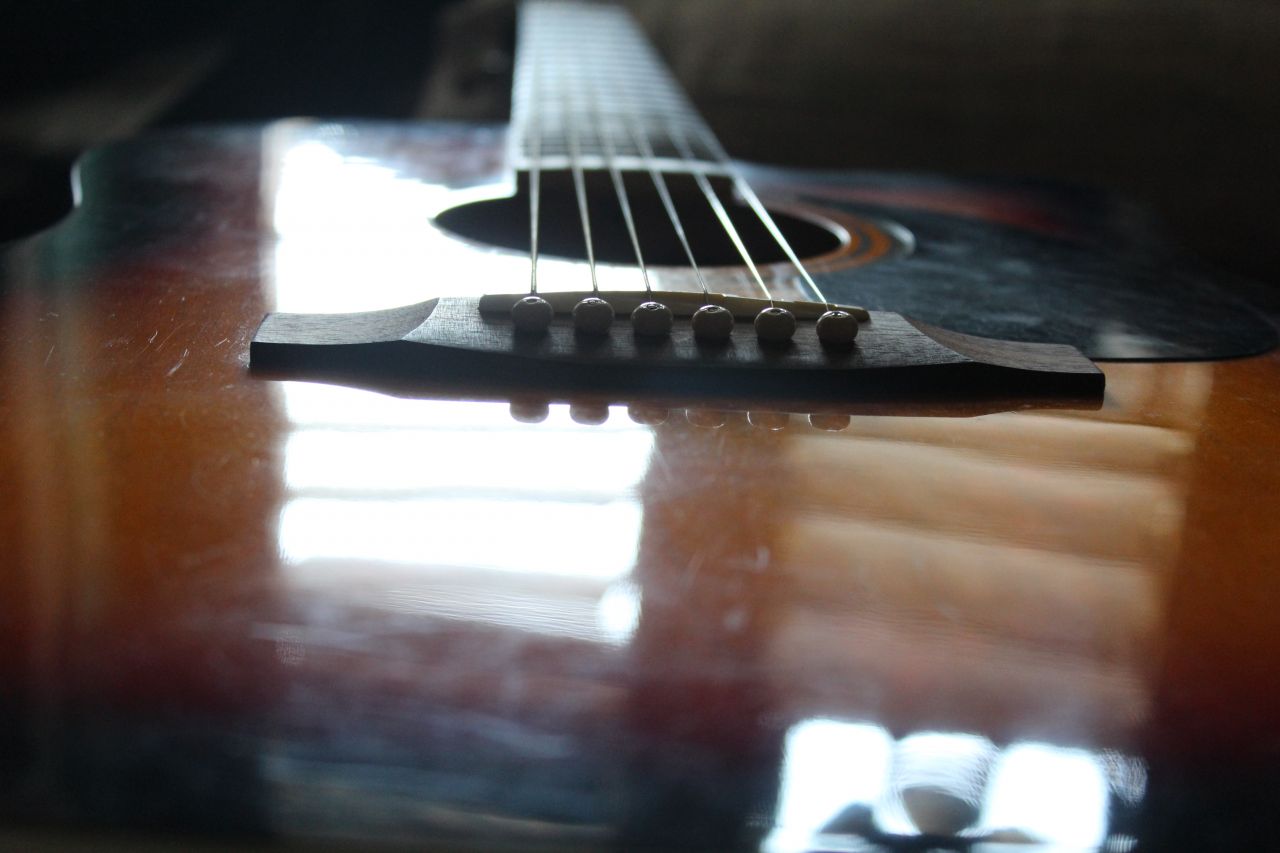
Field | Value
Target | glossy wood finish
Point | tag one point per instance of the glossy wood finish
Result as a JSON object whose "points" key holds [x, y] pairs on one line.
{"points": [[298, 611]]}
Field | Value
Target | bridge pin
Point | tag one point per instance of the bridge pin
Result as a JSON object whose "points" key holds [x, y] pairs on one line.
{"points": [[652, 319], [592, 316], [532, 314], [837, 329], [705, 418], [712, 323], [769, 421], [775, 325], [530, 411], [589, 414]]}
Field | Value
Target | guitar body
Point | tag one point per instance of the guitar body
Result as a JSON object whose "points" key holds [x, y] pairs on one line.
{"points": [[257, 605]]}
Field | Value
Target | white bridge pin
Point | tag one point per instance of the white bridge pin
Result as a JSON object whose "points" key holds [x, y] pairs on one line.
{"points": [[589, 414], [652, 319], [532, 314], [528, 411], [593, 316], [712, 323], [837, 328], [775, 325]]}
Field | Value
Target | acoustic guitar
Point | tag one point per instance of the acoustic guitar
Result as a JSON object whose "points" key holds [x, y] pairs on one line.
{"points": [[570, 485]]}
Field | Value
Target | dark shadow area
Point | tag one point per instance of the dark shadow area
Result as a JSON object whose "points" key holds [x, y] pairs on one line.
{"points": [[77, 74]]}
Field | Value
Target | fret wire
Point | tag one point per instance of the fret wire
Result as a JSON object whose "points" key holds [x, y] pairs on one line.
{"points": [[682, 143]]}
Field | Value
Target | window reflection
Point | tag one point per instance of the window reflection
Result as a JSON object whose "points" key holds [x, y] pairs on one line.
{"points": [[519, 463], [829, 767], [596, 541], [936, 784], [433, 513], [1053, 794], [353, 234], [431, 507], [849, 785]]}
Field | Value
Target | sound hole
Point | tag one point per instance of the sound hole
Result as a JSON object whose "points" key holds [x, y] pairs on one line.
{"points": [[504, 223]]}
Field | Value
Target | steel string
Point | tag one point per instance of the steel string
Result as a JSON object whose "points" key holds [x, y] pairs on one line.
{"points": [[681, 142], [619, 186], [579, 184], [762, 213]]}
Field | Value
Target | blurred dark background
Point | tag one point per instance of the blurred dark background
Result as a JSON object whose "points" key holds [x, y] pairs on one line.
{"points": [[1173, 102]]}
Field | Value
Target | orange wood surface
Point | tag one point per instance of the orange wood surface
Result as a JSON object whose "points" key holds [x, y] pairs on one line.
{"points": [[329, 589]]}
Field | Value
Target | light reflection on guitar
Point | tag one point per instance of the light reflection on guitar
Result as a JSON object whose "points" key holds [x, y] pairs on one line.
{"points": [[307, 611]]}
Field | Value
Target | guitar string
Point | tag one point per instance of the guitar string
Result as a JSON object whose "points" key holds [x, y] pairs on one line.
{"points": [[640, 139], [535, 179], [656, 72], [744, 190], [762, 213], [681, 143], [603, 134], [579, 183], [678, 136]]}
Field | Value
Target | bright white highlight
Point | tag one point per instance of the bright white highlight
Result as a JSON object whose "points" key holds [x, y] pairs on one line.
{"points": [[830, 765]]}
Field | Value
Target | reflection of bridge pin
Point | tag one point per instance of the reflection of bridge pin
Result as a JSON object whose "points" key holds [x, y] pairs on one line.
{"points": [[829, 421], [651, 319], [771, 421], [705, 418], [775, 325], [712, 323], [592, 316], [647, 415], [530, 411], [532, 314], [837, 329], [589, 414]]}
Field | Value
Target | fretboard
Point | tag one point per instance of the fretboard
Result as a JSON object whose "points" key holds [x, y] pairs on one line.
{"points": [[589, 86]]}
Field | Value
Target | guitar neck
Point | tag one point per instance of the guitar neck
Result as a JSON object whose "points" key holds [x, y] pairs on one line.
{"points": [[589, 87]]}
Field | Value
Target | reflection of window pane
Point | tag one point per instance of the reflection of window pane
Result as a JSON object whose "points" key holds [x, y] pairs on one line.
{"points": [[412, 505], [830, 766], [313, 404], [602, 464], [843, 785], [591, 540], [1056, 795], [937, 784]]}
